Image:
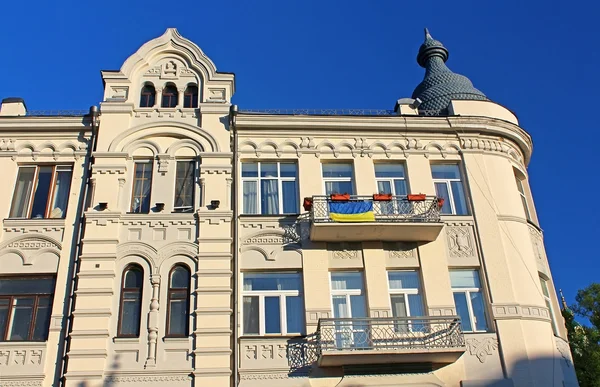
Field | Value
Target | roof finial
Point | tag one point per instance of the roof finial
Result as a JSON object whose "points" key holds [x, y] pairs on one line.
{"points": [[562, 300], [427, 34]]}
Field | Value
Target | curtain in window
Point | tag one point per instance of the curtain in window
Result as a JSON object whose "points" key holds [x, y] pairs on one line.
{"points": [[295, 314], [61, 194], [404, 280], [22, 193], [250, 197], [346, 281], [42, 192], [441, 190], [251, 311], [290, 197], [464, 279], [269, 197]]}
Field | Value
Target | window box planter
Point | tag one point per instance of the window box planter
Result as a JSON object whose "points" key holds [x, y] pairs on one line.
{"points": [[440, 202], [307, 204], [415, 197], [340, 197], [382, 197]]}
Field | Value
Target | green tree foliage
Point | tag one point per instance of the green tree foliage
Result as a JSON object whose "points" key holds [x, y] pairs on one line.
{"points": [[585, 340]]}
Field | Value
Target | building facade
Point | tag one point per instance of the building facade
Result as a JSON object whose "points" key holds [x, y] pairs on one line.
{"points": [[174, 239]]}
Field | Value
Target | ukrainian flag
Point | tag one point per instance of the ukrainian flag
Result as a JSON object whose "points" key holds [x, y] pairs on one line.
{"points": [[358, 211]]}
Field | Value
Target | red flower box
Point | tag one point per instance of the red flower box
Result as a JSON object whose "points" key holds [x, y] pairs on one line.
{"points": [[382, 197], [340, 197], [308, 203], [440, 202], [416, 197]]}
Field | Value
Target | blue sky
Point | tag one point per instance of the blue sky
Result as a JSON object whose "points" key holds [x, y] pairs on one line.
{"points": [[538, 58]]}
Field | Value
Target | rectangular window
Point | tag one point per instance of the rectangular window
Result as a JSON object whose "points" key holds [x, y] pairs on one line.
{"points": [[548, 300], [272, 304], [270, 188], [338, 178], [25, 305], [468, 299], [521, 189], [41, 192], [142, 183], [348, 301], [184, 185], [449, 186], [405, 297]]}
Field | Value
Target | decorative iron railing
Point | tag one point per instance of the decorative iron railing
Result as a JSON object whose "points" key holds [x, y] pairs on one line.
{"points": [[338, 112], [395, 209], [56, 113], [393, 333]]}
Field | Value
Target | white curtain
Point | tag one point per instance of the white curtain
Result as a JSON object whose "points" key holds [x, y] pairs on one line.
{"points": [[250, 197], [61, 193], [464, 279], [404, 280], [269, 197]]}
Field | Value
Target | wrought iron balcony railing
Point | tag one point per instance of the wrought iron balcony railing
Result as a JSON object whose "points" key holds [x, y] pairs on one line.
{"points": [[394, 209], [394, 333]]}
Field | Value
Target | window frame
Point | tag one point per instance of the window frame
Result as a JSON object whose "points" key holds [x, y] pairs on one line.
{"points": [[170, 292], [467, 292], [194, 177], [448, 184], [56, 168], [134, 179], [121, 304], [350, 179], [520, 181], [36, 296], [548, 300], [348, 292], [282, 294], [405, 291], [258, 179], [171, 92], [193, 101], [391, 180], [147, 95]]}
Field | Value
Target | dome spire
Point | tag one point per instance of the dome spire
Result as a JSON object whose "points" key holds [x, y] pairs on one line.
{"points": [[440, 85]]}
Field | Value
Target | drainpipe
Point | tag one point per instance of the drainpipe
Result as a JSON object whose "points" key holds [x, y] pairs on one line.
{"points": [[485, 271], [76, 246], [232, 116]]}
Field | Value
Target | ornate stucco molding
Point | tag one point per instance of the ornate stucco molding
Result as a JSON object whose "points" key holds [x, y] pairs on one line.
{"points": [[482, 348], [519, 311]]}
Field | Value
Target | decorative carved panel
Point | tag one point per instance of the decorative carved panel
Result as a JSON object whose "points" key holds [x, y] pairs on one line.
{"points": [[345, 250], [482, 348], [460, 239], [400, 250]]}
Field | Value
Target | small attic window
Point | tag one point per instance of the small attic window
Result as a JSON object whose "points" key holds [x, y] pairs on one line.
{"points": [[190, 97], [169, 96], [148, 95]]}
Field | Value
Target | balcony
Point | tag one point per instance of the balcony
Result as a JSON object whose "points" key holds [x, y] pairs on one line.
{"points": [[437, 341], [412, 218]]}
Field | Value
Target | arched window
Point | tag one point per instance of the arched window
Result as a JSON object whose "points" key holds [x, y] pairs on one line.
{"points": [[131, 302], [190, 97], [169, 97], [148, 95], [178, 300]]}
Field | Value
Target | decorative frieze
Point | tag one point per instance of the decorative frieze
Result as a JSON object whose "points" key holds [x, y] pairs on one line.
{"points": [[518, 311], [482, 348], [460, 239], [345, 250], [15, 356], [400, 250], [147, 378]]}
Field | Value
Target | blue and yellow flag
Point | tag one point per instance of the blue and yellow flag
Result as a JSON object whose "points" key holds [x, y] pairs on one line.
{"points": [[360, 211]]}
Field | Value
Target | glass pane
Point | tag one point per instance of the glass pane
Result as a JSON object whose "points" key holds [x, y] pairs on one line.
{"points": [[22, 193], [441, 190], [340, 307], [178, 316], [400, 187], [133, 278], [460, 300], [290, 197], [544, 287], [343, 280], [141, 187], [62, 187], [184, 184], [358, 306], [130, 318], [272, 315], [269, 197], [339, 187], [520, 185], [251, 311], [4, 307], [384, 187], [249, 170], [464, 278], [403, 279], [337, 170], [389, 170], [250, 197], [478, 311], [180, 278], [287, 169], [272, 281], [460, 203], [22, 316], [549, 306], [268, 170], [14, 286], [445, 171], [42, 192], [525, 208], [416, 305], [295, 314], [398, 305]]}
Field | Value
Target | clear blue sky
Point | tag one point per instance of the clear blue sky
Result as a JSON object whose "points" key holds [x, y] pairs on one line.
{"points": [[539, 58]]}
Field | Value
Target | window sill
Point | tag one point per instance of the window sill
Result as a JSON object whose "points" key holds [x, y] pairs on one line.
{"points": [[268, 215], [272, 336], [176, 339], [126, 340], [23, 344]]}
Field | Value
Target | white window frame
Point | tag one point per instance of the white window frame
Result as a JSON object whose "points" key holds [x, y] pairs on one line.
{"points": [[405, 291], [347, 292], [544, 285], [390, 179], [261, 294], [195, 190], [468, 292], [449, 189], [279, 179], [334, 179], [521, 188]]}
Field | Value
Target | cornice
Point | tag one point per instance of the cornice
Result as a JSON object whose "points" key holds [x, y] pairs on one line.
{"points": [[45, 123]]}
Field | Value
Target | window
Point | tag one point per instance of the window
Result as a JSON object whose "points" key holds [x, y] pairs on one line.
{"points": [[272, 304], [41, 192], [184, 185], [338, 178], [278, 192], [142, 183], [521, 189], [169, 97], [468, 299], [546, 293], [348, 301], [178, 302], [390, 179], [25, 306], [448, 186], [405, 293], [148, 96], [130, 311], [190, 97]]}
